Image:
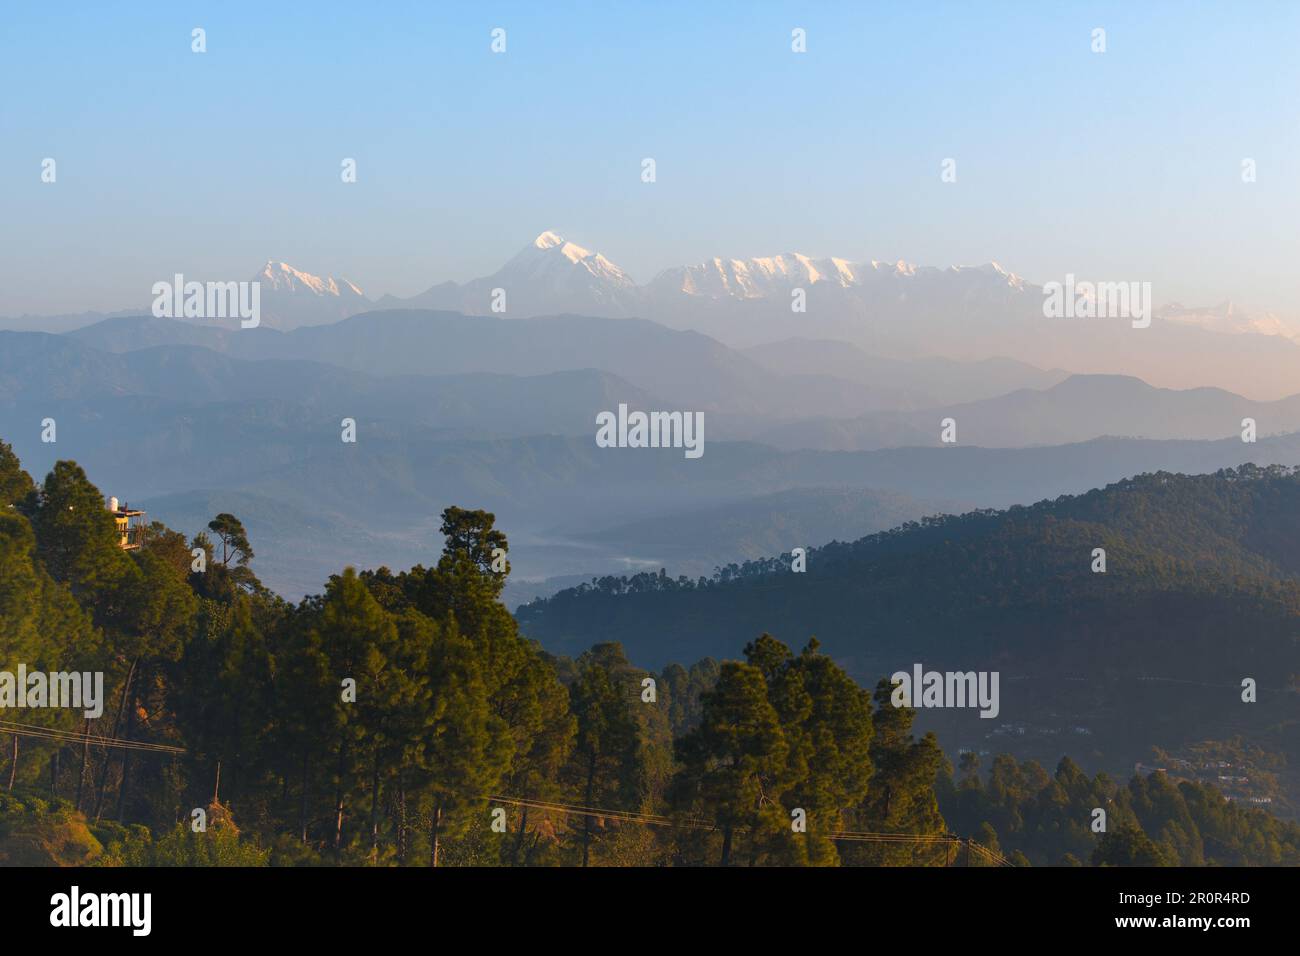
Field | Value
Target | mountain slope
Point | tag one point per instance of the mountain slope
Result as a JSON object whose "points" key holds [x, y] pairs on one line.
{"points": [[686, 370], [1080, 408], [919, 382], [1200, 591], [36, 368], [694, 542], [1162, 532]]}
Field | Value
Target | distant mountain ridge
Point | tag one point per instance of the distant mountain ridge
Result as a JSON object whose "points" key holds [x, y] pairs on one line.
{"points": [[292, 298], [894, 309], [683, 369], [1079, 408], [36, 367], [888, 308], [554, 275], [766, 393]]}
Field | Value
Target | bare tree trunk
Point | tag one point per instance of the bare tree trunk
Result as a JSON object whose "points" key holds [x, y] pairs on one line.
{"points": [[586, 820], [302, 810], [338, 800], [401, 821], [726, 845], [13, 762], [85, 760], [434, 826], [54, 774], [519, 840], [374, 810], [126, 763], [117, 722]]}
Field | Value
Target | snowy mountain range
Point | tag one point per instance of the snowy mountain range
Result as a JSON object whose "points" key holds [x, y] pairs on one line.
{"points": [[745, 301], [291, 298], [889, 309], [553, 275]]}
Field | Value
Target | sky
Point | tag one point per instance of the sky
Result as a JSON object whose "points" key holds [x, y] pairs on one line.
{"points": [[1123, 165]]}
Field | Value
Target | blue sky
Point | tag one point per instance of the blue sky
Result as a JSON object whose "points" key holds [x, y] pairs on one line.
{"points": [[1123, 165]]}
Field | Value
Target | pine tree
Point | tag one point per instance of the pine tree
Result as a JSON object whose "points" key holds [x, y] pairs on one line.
{"points": [[226, 702], [40, 627], [396, 714], [901, 797], [468, 748], [607, 766], [544, 738], [160, 612], [77, 543], [832, 735], [734, 765], [1127, 845], [16, 486], [521, 686], [355, 636]]}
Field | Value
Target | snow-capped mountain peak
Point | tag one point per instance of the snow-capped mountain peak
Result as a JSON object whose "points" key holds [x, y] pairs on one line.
{"points": [[899, 267], [762, 276], [548, 240], [995, 269], [282, 277], [550, 254], [291, 297]]}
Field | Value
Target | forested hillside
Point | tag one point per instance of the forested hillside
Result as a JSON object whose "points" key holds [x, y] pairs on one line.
{"points": [[1198, 593], [404, 719]]}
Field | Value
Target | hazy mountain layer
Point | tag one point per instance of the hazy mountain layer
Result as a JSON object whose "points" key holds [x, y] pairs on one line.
{"points": [[1080, 408]]}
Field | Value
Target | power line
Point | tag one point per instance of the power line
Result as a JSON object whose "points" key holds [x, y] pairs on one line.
{"points": [[77, 737], [568, 809], [656, 819]]}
